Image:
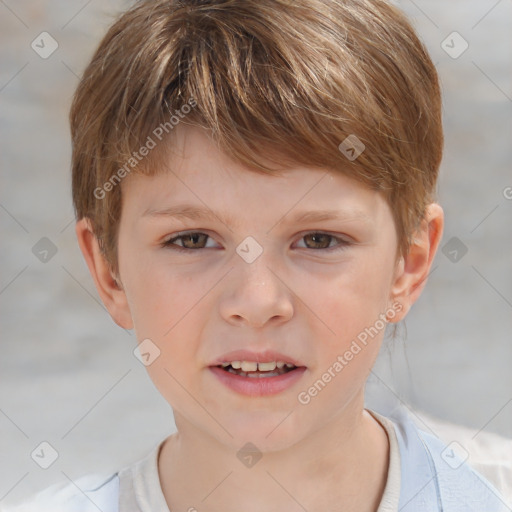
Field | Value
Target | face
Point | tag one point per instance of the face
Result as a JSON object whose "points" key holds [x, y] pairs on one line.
{"points": [[251, 275]]}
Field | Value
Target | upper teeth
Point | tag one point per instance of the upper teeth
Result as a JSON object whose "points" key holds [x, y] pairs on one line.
{"points": [[252, 366]]}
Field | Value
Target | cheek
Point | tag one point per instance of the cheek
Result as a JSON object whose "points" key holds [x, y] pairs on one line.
{"points": [[166, 306], [353, 299], [352, 305], [160, 298]]}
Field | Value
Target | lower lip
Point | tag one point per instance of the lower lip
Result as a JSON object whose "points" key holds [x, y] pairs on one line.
{"points": [[258, 386]]}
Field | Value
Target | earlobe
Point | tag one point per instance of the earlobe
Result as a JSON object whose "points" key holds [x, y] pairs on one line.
{"points": [[109, 286], [412, 270]]}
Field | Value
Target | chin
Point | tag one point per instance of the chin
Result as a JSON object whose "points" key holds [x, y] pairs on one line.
{"points": [[268, 431]]}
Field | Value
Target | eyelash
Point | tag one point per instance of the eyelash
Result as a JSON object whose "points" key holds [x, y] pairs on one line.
{"points": [[170, 245]]}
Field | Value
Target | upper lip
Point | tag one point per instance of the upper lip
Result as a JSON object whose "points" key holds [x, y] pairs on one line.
{"points": [[258, 357]]}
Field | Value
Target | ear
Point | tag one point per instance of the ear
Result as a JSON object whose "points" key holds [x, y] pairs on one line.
{"points": [[412, 270], [109, 286]]}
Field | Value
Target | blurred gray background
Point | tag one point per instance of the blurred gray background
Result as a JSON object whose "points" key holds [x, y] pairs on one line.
{"points": [[68, 375]]}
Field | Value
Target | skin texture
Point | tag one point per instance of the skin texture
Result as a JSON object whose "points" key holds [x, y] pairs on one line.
{"points": [[297, 297]]}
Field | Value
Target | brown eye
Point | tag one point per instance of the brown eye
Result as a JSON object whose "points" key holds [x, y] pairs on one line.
{"points": [[322, 241], [189, 241]]}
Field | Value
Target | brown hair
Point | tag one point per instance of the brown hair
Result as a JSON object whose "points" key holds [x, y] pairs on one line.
{"points": [[294, 76]]}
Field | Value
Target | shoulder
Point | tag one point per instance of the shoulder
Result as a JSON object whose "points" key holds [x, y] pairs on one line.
{"points": [[487, 453], [89, 493], [435, 472]]}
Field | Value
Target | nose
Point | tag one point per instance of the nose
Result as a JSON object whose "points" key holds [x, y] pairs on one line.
{"points": [[256, 293]]}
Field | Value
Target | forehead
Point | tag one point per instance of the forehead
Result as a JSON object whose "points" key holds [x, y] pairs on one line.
{"points": [[197, 174]]}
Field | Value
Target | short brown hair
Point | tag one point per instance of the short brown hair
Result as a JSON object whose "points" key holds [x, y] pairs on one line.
{"points": [[294, 76]]}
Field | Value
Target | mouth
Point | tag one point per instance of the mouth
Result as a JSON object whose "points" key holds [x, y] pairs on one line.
{"points": [[256, 379], [257, 370]]}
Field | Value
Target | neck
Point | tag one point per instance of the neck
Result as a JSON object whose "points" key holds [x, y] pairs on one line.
{"points": [[320, 472]]}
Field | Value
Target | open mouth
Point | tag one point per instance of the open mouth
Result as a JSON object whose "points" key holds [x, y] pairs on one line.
{"points": [[255, 379], [257, 370]]}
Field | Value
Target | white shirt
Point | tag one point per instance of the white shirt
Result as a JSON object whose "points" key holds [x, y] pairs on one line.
{"points": [[137, 488], [140, 489]]}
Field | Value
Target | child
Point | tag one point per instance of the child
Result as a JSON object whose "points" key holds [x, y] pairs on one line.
{"points": [[254, 184]]}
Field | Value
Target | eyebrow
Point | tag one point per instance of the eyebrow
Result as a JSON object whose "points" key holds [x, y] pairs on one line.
{"points": [[191, 212]]}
